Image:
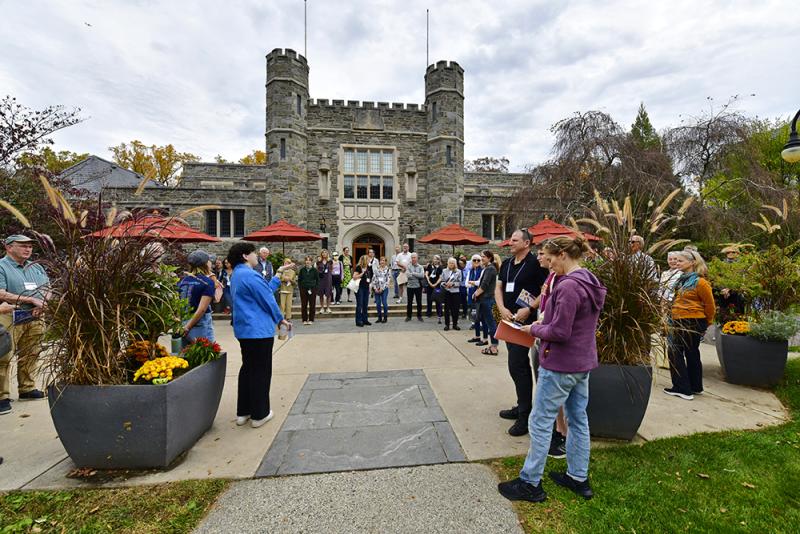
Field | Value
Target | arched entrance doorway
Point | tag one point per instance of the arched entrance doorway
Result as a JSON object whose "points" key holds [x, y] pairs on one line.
{"points": [[363, 243]]}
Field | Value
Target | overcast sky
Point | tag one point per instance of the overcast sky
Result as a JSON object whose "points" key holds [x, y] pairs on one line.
{"points": [[192, 73]]}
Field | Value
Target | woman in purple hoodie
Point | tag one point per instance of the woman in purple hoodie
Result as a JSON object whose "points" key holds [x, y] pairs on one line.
{"points": [[567, 353]]}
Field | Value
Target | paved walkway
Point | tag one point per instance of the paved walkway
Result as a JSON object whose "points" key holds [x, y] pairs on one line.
{"points": [[468, 387]]}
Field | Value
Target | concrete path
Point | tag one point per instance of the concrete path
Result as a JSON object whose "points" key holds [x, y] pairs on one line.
{"points": [[450, 498], [470, 389]]}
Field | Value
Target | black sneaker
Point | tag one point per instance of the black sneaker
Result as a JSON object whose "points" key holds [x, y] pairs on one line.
{"points": [[557, 449], [420, 319], [5, 406], [581, 488], [519, 428], [408, 319], [446, 327], [519, 490], [697, 392], [456, 327], [33, 394], [511, 414], [675, 393]]}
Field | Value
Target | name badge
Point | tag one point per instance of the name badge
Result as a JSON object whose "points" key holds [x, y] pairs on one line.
{"points": [[326, 271], [31, 286], [509, 287]]}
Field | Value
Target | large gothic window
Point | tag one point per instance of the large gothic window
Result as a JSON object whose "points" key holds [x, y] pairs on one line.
{"points": [[368, 174]]}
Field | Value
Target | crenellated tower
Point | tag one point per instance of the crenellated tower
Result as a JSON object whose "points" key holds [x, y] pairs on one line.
{"points": [[444, 103], [287, 136]]}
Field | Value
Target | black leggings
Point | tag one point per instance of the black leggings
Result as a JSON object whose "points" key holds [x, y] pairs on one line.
{"points": [[414, 293], [255, 377]]}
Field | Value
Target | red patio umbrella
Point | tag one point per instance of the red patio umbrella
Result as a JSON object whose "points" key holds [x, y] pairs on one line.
{"points": [[282, 231], [153, 226], [453, 234], [548, 229]]}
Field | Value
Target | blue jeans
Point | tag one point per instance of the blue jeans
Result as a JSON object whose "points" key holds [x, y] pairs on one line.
{"points": [[203, 328], [362, 302], [552, 390], [486, 318], [382, 303], [395, 273]]}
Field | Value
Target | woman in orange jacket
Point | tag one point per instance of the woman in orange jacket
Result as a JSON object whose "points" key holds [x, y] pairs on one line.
{"points": [[693, 310]]}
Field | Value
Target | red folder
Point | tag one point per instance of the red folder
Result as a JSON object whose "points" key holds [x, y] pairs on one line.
{"points": [[510, 332]]}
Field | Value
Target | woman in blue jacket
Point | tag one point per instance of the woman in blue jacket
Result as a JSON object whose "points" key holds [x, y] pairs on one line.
{"points": [[257, 315]]}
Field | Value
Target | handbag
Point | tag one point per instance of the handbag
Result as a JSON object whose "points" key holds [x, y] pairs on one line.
{"points": [[5, 341], [438, 295], [353, 285], [402, 278]]}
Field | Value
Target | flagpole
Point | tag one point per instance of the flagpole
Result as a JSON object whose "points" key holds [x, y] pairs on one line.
{"points": [[427, 37], [305, 28]]}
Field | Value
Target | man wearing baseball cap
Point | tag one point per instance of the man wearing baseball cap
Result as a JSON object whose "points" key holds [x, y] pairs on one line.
{"points": [[24, 285]]}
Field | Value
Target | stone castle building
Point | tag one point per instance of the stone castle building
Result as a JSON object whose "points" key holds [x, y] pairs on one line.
{"points": [[363, 174]]}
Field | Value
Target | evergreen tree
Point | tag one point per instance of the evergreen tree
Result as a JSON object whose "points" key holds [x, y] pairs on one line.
{"points": [[642, 131]]}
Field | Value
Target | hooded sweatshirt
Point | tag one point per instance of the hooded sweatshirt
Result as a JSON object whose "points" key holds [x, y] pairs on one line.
{"points": [[568, 331]]}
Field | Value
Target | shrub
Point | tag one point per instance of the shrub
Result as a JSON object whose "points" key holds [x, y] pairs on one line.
{"points": [[774, 326]]}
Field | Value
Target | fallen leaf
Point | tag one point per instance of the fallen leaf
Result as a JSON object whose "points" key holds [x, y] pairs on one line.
{"points": [[24, 415], [681, 510], [748, 485], [703, 475], [723, 510], [93, 510], [127, 425]]}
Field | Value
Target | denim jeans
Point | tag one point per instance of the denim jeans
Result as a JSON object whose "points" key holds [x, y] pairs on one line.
{"points": [[552, 390], [486, 318], [362, 302], [203, 328], [395, 274], [382, 304]]}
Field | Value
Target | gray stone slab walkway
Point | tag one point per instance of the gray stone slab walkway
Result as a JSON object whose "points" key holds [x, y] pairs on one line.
{"points": [[362, 420], [450, 498]]}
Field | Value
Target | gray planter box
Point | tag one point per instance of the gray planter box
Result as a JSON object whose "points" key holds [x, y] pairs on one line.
{"points": [[618, 399], [137, 426], [751, 362]]}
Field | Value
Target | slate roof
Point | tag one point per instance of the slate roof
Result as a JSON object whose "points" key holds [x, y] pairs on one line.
{"points": [[95, 174]]}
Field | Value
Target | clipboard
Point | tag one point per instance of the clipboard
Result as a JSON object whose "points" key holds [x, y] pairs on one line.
{"points": [[511, 333]]}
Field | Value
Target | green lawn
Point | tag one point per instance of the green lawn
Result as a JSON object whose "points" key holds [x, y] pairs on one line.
{"points": [[174, 507], [747, 481]]}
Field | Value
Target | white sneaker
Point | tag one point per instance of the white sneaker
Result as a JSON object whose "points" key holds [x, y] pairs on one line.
{"points": [[255, 423], [242, 420]]}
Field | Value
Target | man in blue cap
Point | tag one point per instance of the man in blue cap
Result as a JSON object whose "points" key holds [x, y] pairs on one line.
{"points": [[24, 285]]}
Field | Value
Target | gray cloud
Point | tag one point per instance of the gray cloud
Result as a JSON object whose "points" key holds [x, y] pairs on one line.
{"points": [[192, 73]]}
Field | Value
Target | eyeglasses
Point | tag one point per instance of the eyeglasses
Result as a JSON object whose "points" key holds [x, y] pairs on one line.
{"points": [[475, 260]]}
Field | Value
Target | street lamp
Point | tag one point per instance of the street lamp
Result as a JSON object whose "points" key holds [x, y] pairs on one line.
{"points": [[791, 150]]}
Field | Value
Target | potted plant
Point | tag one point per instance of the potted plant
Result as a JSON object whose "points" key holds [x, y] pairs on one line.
{"points": [[754, 353], [753, 350], [117, 399], [619, 389]]}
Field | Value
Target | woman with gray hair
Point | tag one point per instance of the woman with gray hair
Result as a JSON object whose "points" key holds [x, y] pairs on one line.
{"points": [[451, 285], [693, 309]]}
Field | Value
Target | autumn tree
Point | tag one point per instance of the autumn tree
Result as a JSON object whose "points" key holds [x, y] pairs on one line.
{"points": [[256, 157], [159, 163], [487, 164], [23, 129], [55, 162]]}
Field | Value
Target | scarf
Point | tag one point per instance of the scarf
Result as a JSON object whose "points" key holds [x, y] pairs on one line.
{"points": [[687, 281]]}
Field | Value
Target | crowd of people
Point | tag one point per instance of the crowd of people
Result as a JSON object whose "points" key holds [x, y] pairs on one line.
{"points": [[562, 317]]}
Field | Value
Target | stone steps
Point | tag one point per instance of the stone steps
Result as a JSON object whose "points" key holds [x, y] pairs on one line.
{"points": [[348, 310]]}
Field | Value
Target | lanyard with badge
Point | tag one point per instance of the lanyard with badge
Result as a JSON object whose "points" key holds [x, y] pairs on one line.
{"points": [[510, 283]]}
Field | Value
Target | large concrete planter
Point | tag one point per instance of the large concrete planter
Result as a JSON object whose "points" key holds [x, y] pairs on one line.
{"points": [[618, 399], [751, 362], [137, 426]]}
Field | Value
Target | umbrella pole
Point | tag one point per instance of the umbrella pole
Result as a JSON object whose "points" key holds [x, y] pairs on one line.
{"points": [[283, 244]]}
